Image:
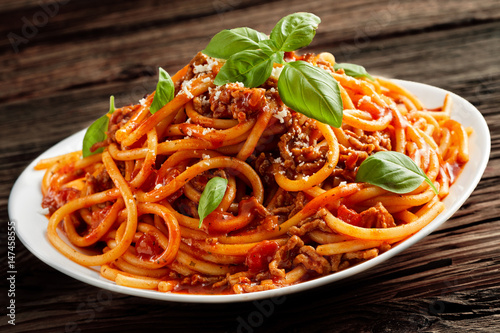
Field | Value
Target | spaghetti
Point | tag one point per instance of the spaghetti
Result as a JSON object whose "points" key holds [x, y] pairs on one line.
{"points": [[292, 210]]}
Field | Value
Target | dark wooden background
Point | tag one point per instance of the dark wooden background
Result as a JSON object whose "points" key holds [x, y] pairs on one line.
{"points": [[56, 78]]}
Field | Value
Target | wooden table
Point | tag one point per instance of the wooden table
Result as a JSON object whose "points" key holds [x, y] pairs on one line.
{"points": [[57, 76]]}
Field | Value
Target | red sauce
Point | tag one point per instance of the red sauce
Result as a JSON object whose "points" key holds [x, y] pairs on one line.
{"points": [[202, 289], [147, 247], [55, 199], [349, 216], [259, 256], [99, 215], [164, 178], [149, 183], [351, 161], [252, 98]]}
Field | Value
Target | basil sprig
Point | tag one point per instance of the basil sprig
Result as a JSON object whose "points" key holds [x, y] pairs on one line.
{"points": [[353, 70], [392, 171], [311, 91], [164, 91], [211, 197], [97, 131], [251, 56]]}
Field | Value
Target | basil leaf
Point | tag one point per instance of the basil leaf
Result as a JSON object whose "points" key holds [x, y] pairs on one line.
{"points": [[251, 67], [353, 70], [269, 47], [164, 91], [211, 197], [97, 131], [312, 91], [392, 171], [228, 42], [295, 31]]}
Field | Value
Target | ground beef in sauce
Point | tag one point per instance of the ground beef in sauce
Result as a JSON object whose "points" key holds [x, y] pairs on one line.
{"points": [[298, 148], [377, 217], [287, 204], [235, 101], [199, 59], [99, 182], [309, 224], [283, 259], [54, 200], [312, 261]]}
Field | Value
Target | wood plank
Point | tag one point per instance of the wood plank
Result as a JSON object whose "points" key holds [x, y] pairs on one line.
{"points": [[102, 57], [62, 79]]}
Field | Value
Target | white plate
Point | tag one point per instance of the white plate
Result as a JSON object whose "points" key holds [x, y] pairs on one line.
{"points": [[25, 200]]}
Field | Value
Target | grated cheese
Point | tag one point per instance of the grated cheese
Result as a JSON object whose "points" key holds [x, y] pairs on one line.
{"points": [[365, 98], [281, 115], [217, 95], [204, 100], [206, 67], [186, 85], [207, 130]]}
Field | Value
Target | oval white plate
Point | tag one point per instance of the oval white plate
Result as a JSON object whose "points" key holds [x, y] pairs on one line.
{"points": [[25, 200]]}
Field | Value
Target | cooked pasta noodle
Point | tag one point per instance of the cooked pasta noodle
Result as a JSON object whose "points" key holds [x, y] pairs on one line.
{"points": [[292, 210]]}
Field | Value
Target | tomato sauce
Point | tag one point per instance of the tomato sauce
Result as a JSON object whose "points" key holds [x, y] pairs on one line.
{"points": [[56, 198], [147, 248], [99, 215], [259, 256], [349, 216]]}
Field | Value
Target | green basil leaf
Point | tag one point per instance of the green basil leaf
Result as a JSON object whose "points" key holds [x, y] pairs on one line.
{"points": [[353, 70], [269, 47], [295, 31], [228, 42], [392, 171], [278, 57], [164, 91], [251, 67], [211, 197], [311, 91], [97, 131]]}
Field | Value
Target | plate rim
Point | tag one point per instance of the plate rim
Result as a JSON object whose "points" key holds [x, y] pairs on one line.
{"points": [[74, 270]]}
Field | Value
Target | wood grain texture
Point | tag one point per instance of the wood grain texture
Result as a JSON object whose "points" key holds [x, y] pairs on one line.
{"points": [[61, 79]]}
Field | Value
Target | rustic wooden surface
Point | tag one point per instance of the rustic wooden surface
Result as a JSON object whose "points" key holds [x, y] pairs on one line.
{"points": [[59, 78]]}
